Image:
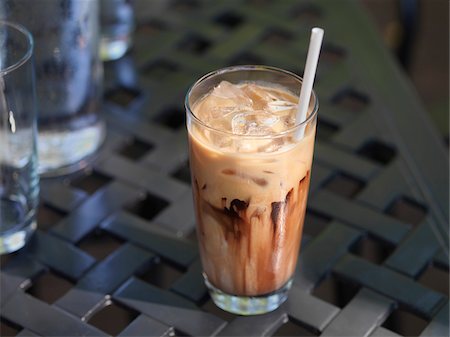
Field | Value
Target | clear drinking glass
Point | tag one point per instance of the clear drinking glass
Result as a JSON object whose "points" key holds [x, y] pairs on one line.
{"points": [[19, 181], [117, 23], [69, 78], [250, 191]]}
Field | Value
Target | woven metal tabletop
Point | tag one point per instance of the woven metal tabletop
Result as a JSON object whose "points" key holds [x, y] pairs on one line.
{"points": [[116, 253]]}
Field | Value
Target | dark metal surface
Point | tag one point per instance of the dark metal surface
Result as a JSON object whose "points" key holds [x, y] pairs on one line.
{"points": [[116, 252]]}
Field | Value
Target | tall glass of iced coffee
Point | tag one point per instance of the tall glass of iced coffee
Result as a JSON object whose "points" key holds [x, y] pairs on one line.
{"points": [[251, 166]]}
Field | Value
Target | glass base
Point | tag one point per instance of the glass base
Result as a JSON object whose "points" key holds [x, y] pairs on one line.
{"points": [[63, 152], [113, 48], [248, 305], [14, 240]]}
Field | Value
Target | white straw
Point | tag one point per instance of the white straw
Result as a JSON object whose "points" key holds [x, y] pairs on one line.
{"points": [[312, 59]]}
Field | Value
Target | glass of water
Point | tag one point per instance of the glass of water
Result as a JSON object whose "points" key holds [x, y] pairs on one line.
{"points": [[69, 78], [19, 181], [117, 23]]}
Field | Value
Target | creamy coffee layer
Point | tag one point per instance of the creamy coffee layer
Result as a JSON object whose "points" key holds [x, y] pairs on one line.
{"points": [[250, 182]]}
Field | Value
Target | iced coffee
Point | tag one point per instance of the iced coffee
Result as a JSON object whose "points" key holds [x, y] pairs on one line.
{"points": [[250, 165]]}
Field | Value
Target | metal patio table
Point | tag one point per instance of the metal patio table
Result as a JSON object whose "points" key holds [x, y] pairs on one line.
{"points": [[116, 254]]}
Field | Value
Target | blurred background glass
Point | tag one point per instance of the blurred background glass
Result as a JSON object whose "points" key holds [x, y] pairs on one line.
{"points": [[69, 79], [117, 23]]}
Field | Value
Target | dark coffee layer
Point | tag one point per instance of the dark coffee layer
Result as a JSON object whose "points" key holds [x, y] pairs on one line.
{"points": [[232, 260]]}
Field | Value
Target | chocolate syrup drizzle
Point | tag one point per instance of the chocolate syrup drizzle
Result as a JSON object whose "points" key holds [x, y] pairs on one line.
{"points": [[286, 220]]}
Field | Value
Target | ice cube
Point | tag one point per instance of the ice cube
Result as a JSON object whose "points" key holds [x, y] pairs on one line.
{"points": [[251, 123], [258, 96], [272, 145], [281, 107], [220, 113], [253, 129], [231, 94], [218, 108], [266, 119], [215, 110], [239, 123]]}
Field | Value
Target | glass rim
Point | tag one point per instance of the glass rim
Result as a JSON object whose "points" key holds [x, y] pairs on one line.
{"points": [[291, 129], [29, 51]]}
